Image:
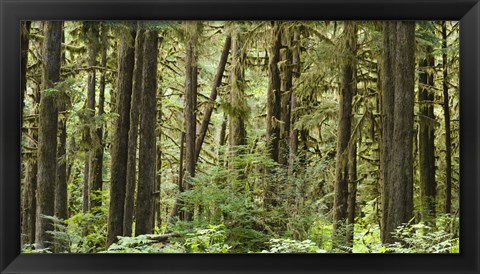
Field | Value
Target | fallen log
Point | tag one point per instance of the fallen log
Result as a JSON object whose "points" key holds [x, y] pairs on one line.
{"points": [[162, 238]]}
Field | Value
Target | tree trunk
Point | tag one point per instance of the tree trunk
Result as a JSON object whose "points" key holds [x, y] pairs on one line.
{"points": [[29, 200], [178, 202], [397, 125], [133, 132], [222, 140], [190, 113], [47, 134], [61, 195], [426, 136], [293, 162], [119, 148], [286, 96], [25, 38], [158, 170], [238, 107], [446, 111], [30, 180], [96, 168], [273, 107], [348, 86], [92, 35], [147, 151], [213, 96], [274, 93], [352, 196], [61, 181]]}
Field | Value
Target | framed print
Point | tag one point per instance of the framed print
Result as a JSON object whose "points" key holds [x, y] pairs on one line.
{"points": [[239, 136]]}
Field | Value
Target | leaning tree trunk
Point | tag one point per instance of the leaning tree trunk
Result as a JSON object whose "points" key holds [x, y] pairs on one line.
{"points": [[428, 186], [398, 70], [133, 133], [147, 151], [47, 134], [446, 111], [348, 86], [213, 96], [120, 139]]}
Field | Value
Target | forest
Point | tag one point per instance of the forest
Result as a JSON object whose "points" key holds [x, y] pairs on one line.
{"points": [[240, 137]]}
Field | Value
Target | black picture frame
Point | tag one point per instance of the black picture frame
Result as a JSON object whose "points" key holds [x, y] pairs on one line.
{"points": [[13, 11]]}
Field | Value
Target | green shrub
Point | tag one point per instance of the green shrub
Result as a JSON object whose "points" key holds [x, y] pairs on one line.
{"points": [[421, 238], [143, 244], [209, 240], [292, 246]]}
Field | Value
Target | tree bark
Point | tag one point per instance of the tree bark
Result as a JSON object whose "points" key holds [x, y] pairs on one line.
{"points": [[286, 80], [273, 106], [190, 113], [213, 96], [223, 131], [96, 168], [352, 196], [29, 200], [446, 111], [47, 134], [237, 133], [61, 195], [24, 43], [92, 35], [119, 148], [178, 202], [61, 181], [348, 86], [147, 151], [397, 125], [274, 93], [294, 142], [158, 170], [30, 180], [137, 94], [426, 137]]}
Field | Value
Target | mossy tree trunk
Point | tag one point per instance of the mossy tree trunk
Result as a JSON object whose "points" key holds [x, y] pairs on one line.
{"points": [[119, 147], [446, 111], [347, 90], [274, 96], [47, 134], [398, 68], [96, 170], [428, 186], [147, 151], [29, 182], [191, 72], [136, 101]]}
